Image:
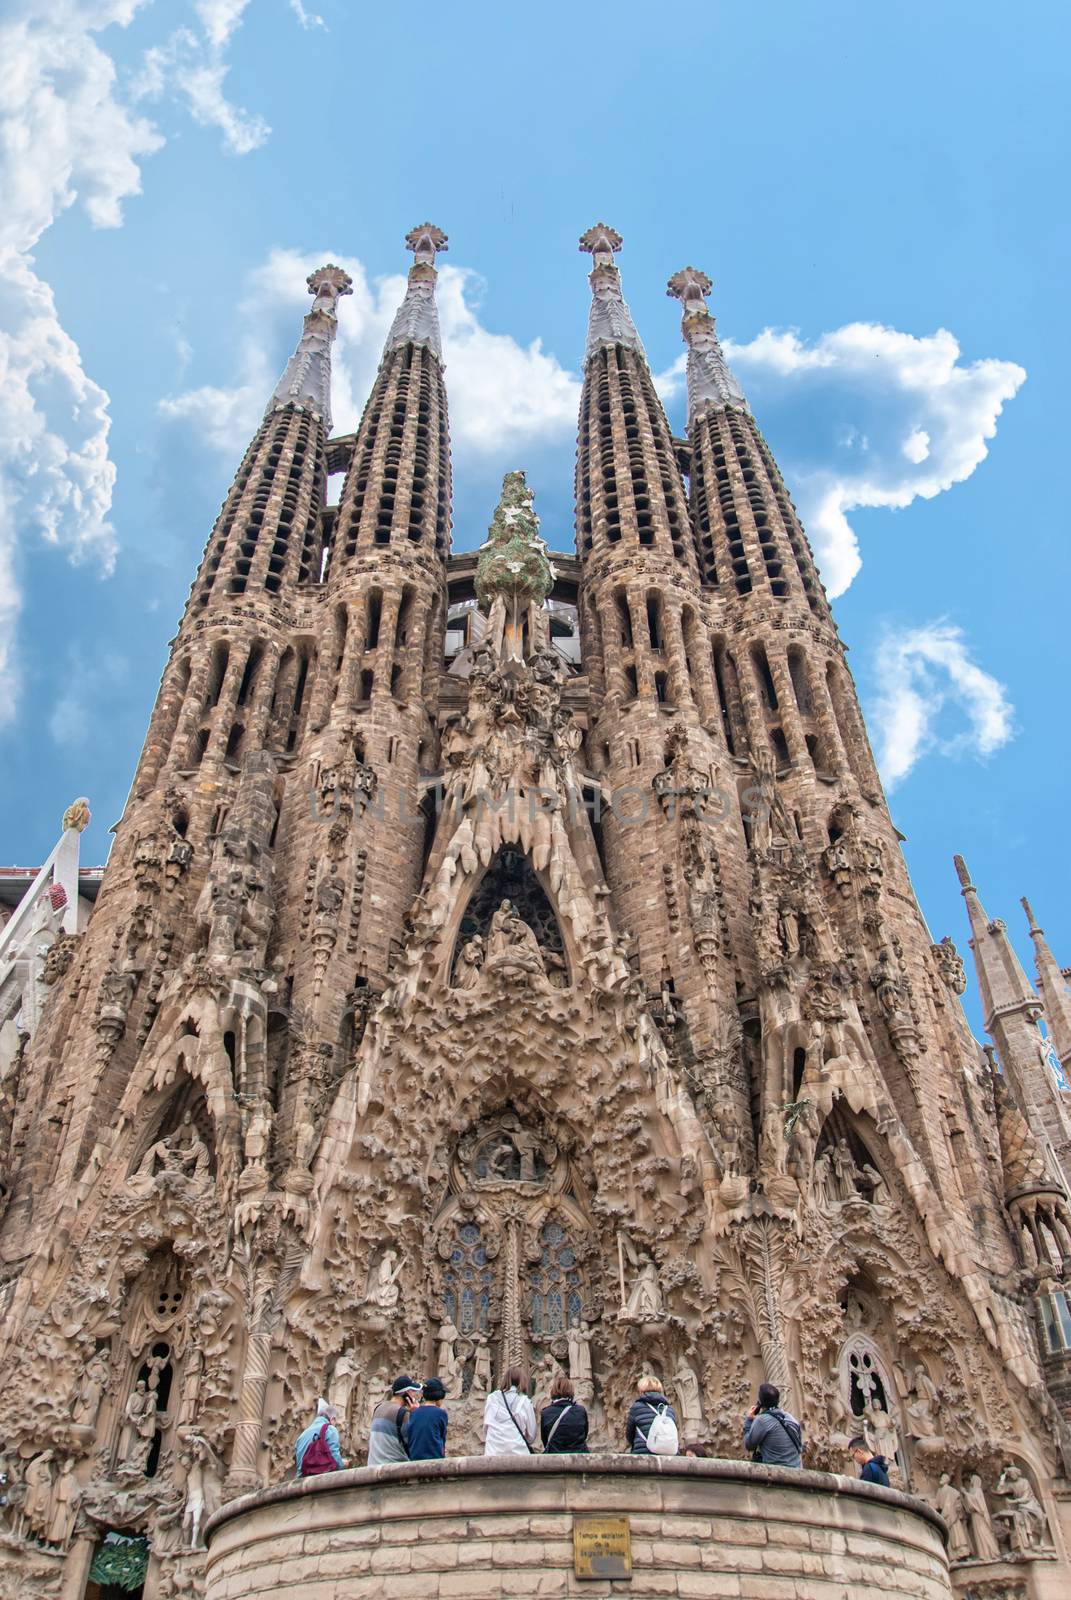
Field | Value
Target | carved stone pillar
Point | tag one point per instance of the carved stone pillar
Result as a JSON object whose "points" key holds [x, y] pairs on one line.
{"points": [[763, 1245], [223, 713], [680, 681], [249, 1425], [790, 715]]}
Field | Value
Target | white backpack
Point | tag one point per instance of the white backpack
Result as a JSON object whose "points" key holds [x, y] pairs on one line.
{"points": [[661, 1437]]}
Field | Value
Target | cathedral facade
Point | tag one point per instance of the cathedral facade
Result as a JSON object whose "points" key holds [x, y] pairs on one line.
{"points": [[507, 958]]}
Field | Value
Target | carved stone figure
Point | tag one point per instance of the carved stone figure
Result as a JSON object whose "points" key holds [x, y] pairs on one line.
{"points": [[204, 1490], [384, 1290], [645, 1297], [1024, 1520], [949, 1502], [450, 1364], [983, 1538], [579, 1341], [881, 1430], [36, 1512], [686, 1389], [139, 1429], [90, 1391], [511, 943], [344, 1375], [469, 963], [923, 1405]]}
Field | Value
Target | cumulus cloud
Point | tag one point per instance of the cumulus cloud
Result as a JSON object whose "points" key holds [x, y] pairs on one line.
{"points": [[928, 688], [502, 394], [881, 418], [70, 135], [64, 137], [192, 66]]}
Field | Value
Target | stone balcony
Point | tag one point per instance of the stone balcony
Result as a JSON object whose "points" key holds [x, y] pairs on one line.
{"points": [[498, 1528]]}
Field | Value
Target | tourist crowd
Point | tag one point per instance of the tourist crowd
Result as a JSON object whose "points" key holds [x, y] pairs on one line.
{"points": [[411, 1424]]}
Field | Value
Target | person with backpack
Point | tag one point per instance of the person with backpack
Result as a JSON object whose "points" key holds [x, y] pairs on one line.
{"points": [[872, 1468], [651, 1426], [509, 1420], [427, 1423], [773, 1436], [318, 1447], [388, 1438], [563, 1425]]}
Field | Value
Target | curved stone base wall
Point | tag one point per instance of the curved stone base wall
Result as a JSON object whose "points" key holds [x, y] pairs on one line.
{"points": [[502, 1527]]}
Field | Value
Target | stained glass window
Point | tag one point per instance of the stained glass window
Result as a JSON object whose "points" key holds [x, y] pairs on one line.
{"points": [[556, 1298], [467, 1296]]}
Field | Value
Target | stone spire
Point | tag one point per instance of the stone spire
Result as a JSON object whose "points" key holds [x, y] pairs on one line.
{"points": [[1010, 1010], [610, 321], [417, 320], [711, 381], [1054, 992], [306, 382], [1004, 985]]}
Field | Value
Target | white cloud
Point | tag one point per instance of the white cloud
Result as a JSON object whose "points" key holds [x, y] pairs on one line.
{"points": [[68, 135], [502, 394], [64, 137], [193, 66], [924, 672], [308, 19], [890, 417]]}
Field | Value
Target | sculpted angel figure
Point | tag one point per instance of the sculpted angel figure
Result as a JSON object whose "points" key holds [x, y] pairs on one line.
{"points": [[384, 1290], [469, 963]]}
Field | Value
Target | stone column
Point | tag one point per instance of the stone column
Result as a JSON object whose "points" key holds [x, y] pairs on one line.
{"points": [[249, 1425]]}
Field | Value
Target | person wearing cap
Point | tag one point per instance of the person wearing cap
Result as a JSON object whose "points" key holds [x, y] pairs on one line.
{"points": [[318, 1448], [872, 1468], [427, 1424], [388, 1438]]}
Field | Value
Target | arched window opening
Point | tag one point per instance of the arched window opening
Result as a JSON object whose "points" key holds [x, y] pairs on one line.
{"points": [[556, 1298], [249, 675], [467, 1282], [780, 748]]}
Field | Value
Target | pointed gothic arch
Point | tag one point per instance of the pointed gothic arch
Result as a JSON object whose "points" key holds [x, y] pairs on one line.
{"points": [[511, 877]]}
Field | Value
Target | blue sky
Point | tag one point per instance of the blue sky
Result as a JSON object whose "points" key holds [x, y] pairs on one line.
{"points": [[875, 191]]}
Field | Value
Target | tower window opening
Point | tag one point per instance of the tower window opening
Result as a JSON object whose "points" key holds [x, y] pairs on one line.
{"points": [[766, 683], [375, 612], [780, 747], [624, 617], [234, 742], [632, 687], [661, 689], [366, 684], [654, 620]]}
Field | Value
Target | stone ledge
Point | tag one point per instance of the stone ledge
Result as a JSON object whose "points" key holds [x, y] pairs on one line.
{"points": [[609, 1466]]}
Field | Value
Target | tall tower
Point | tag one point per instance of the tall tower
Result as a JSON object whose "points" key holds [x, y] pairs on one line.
{"points": [[450, 1008]]}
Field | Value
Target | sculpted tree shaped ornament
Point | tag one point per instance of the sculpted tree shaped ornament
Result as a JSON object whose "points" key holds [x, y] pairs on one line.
{"points": [[513, 569]]}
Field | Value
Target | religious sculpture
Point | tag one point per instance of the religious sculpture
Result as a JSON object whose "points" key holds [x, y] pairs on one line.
{"points": [[344, 1375], [1024, 1521], [950, 1503], [139, 1429], [204, 1489], [980, 1520], [685, 1383], [643, 1302], [91, 1387], [511, 944], [469, 963], [384, 1290]]}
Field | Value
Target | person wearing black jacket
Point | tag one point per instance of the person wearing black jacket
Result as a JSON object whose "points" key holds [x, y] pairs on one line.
{"points": [[642, 1412], [563, 1425], [872, 1468]]}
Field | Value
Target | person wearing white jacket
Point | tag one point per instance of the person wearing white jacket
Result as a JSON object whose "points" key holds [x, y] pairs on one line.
{"points": [[509, 1421]]}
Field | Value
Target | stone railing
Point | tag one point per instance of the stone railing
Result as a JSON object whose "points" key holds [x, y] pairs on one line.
{"points": [[499, 1527]]}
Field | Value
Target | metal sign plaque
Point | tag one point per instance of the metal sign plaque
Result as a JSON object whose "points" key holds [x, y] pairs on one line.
{"points": [[602, 1547]]}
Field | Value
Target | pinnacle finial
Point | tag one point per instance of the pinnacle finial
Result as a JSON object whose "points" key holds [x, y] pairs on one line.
{"points": [[690, 286], [1030, 917], [711, 380], [602, 242], [425, 241], [329, 283], [962, 872]]}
